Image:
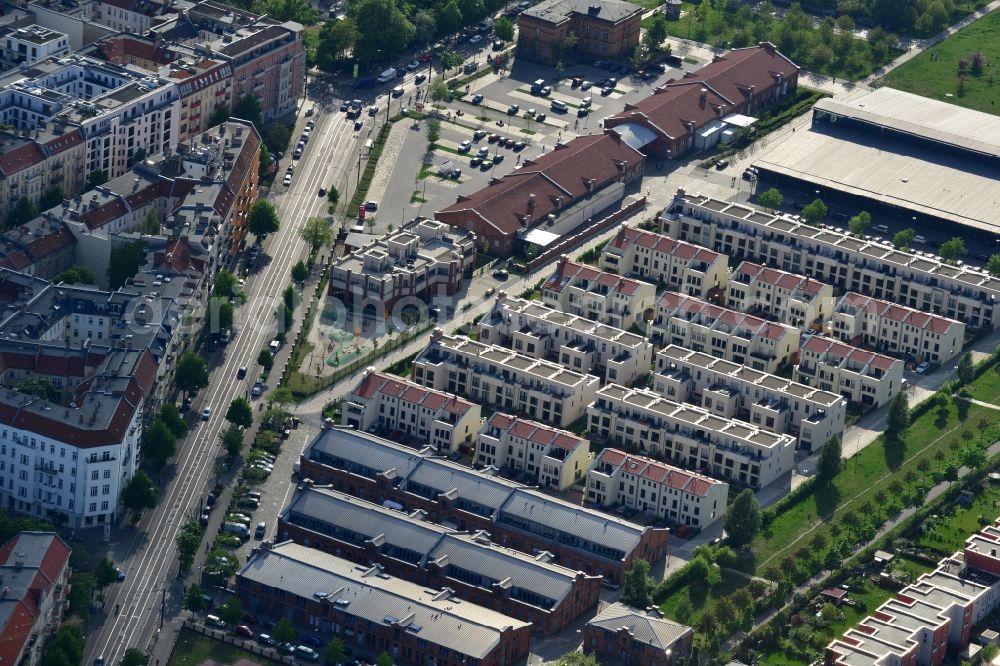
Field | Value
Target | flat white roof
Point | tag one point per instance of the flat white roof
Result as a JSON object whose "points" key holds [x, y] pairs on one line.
{"points": [[739, 120], [541, 237]]}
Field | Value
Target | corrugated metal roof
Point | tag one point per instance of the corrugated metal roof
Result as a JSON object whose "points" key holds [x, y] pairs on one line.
{"points": [[656, 632], [308, 573]]}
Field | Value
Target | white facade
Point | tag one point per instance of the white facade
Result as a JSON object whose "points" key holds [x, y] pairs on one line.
{"points": [[683, 267], [690, 437], [578, 344], [584, 291], [672, 494], [552, 458], [794, 300], [695, 324], [860, 376], [32, 43], [732, 390]]}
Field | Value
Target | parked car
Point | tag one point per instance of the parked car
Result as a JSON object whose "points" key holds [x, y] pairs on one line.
{"points": [[923, 368], [512, 109], [498, 158], [477, 99], [260, 531], [475, 39], [397, 91], [519, 146], [312, 641], [358, 125], [344, 106], [419, 78], [478, 134], [465, 146], [470, 68], [266, 640], [214, 621], [413, 65], [371, 206], [483, 152], [304, 653], [607, 90], [206, 414], [586, 85], [475, 161], [245, 631]]}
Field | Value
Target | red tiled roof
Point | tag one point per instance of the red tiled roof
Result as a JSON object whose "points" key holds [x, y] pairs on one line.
{"points": [[536, 432], [823, 345], [379, 383], [658, 472], [563, 173], [779, 278], [674, 301], [567, 270], [898, 313], [740, 71], [19, 159], [662, 244]]}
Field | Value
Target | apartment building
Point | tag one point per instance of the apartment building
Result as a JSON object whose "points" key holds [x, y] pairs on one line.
{"points": [[40, 248], [593, 294], [32, 163], [390, 406], [695, 324], [680, 266], [603, 29], [624, 635], [506, 379], [692, 437], [547, 456], [578, 344], [132, 16], [862, 377], [872, 267], [672, 494], [731, 390], [29, 44], [418, 262], [34, 567], [461, 498], [931, 618], [527, 587], [372, 611], [916, 336], [791, 299]]}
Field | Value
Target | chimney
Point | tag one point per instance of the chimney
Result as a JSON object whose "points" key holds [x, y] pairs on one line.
{"points": [[593, 10], [531, 203], [704, 94]]}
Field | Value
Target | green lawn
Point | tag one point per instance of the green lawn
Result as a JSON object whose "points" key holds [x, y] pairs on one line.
{"points": [[701, 600], [875, 469], [947, 534], [987, 386], [934, 73], [193, 648]]}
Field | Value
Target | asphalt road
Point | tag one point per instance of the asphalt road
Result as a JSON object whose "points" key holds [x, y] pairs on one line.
{"points": [[148, 553]]}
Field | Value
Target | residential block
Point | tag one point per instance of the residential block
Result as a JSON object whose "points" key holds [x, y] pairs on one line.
{"points": [[691, 437], [628, 636], [578, 344], [794, 300], [550, 457], [594, 294], [861, 376], [602, 28], [656, 489]]}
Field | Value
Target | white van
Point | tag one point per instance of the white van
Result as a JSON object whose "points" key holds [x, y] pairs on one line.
{"points": [[387, 75], [238, 529]]}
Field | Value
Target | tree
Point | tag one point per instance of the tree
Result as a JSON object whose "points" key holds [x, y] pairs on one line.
{"points": [[263, 218], [124, 263], [424, 26], [51, 198], [433, 132], [966, 373], [191, 374], [655, 33], [171, 416], [265, 359], [66, 648], [152, 225], [637, 585], [333, 196], [384, 659], [139, 493], [248, 108], [335, 39], [743, 519], [220, 315], [24, 211], [898, 418], [232, 441], [859, 224], [814, 212], [684, 608], [576, 659], [219, 115], [952, 249], [299, 271], [316, 232], [105, 573], [334, 653], [134, 657], [283, 631], [194, 598], [188, 542], [76, 275], [771, 199], [974, 456], [993, 265], [81, 595], [383, 29], [829, 461], [240, 413], [159, 443], [503, 28], [438, 89], [449, 17], [264, 162], [904, 239], [231, 612], [40, 388], [96, 178], [225, 284]]}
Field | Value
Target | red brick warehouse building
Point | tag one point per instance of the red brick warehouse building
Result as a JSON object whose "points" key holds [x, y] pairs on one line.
{"points": [[602, 29], [743, 81]]}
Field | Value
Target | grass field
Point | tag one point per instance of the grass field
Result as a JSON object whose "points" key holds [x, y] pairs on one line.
{"points": [[193, 648], [947, 534], [934, 73], [986, 387], [875, 469]]}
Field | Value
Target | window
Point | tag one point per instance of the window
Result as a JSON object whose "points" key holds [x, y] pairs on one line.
{"points": [[93, 506], [106, 490], [93, 475]]}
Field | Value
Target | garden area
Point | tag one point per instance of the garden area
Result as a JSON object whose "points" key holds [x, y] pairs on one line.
{"points": [[829, 48], [959, 70], [193, 648]]}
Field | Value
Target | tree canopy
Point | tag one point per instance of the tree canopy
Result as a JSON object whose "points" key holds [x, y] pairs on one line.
{"points": [[829, 460], [159, 443], [897, 419], [240, 413], [814, 212], [317, 233], [904, 239], [743, 519], [248, 108], [859, 224], [191, 373], [771, 199], [637, 586], [263, 218], [952, 249], [383, 30], [139, 493], [503, 28], [232, 441]]}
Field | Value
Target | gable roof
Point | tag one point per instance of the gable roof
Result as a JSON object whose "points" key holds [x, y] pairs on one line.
{"points": [[656, 632]]}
